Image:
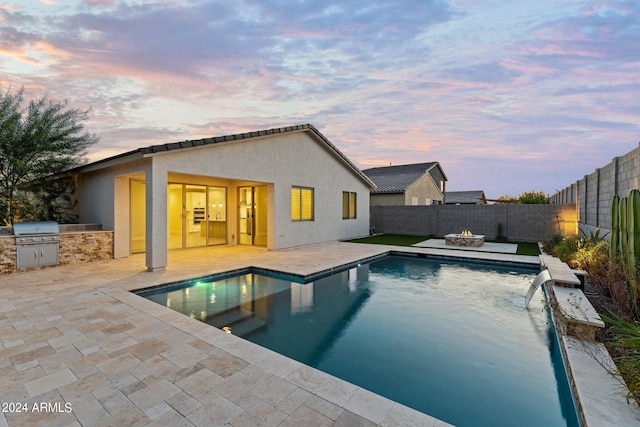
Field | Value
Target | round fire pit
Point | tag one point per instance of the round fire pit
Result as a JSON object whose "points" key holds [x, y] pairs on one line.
{"points": [[464, 239]]}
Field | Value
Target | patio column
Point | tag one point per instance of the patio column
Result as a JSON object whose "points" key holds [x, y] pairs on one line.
{"points": [[156, 217]]}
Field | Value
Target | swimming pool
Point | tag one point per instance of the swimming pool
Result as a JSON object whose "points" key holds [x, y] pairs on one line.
{"points": [[447, 338]]}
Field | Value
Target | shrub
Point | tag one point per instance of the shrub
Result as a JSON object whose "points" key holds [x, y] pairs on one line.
{"points": [[567, 248], [549, 246], [499, 236], [627, 342]]}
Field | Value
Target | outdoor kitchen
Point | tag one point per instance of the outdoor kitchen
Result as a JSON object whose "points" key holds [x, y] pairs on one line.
{"points": [[42, 244]]}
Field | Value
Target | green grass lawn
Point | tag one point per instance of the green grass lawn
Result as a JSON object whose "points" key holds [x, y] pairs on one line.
{"points": [[524, 248], [392, 239], [528, 248]]}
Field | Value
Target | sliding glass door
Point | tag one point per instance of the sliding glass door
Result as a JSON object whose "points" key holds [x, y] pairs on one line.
{"points": [[252, 215], [196, 216], [217, 216]]}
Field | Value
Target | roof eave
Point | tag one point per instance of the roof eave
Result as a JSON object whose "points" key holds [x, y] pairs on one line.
{"points": [[110, 161]]}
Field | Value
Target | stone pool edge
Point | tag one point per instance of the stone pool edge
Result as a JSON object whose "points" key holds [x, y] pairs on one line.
{"points": [[598, 402], [364, 403]]}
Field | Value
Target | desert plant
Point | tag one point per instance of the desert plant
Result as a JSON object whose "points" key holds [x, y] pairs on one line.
{"points": [[533, 197], [614, 244], [592, 256], [626, 240], [627, 344], [37, 141], [500, 237], [550, 244], [567, 248]]}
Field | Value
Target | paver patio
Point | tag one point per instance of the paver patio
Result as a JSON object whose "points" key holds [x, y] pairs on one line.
{"points": [[74, 335]]}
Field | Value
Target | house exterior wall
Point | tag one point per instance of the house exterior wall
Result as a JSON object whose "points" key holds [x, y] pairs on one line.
{"points": [[387, 199], [286, 160], [424, 188], [103, 198], [276, 161], [438, 176]]}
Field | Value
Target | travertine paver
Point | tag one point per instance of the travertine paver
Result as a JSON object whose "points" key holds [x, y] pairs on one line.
{"points": [[74, 334]]}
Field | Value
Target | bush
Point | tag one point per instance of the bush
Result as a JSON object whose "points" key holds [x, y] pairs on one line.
{"points": [[627, 343], [499, 236], [549, 246], [567, 248]]}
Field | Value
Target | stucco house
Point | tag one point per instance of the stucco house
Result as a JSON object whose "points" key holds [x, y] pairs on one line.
{"points": [[276, 188], [476, 197], [413, 184]]}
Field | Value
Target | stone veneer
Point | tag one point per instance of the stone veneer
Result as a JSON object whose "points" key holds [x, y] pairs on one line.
{"points": [[8, 254], [76, 247], [87, 246], [475, 240]]}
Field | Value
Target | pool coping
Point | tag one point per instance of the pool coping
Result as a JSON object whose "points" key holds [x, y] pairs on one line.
{"points": [[76, 334], [569, 359], [572, 359]]}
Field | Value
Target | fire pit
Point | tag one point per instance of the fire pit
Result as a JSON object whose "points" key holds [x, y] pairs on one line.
{"points": [[466, 238]]}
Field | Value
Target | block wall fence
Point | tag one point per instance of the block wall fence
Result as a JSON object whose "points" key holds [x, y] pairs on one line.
{"points": [[592, 195], [525, 223]]}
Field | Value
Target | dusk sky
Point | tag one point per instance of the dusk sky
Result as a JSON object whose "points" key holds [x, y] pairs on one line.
{"points": [[509, 96]]}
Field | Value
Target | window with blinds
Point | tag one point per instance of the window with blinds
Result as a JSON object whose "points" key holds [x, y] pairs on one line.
{"points": [[349, 205], [301, 204]]}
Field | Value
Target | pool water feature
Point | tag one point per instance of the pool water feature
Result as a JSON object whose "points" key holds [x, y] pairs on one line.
{"points": [[450, 339]]}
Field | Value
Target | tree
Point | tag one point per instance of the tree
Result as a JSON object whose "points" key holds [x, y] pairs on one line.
{"points": [[533, 198], [505, 198], [37, 143], [526, 198]]}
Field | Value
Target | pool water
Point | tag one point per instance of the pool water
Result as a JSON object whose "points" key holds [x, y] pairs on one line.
{"points": [[450, 339]]}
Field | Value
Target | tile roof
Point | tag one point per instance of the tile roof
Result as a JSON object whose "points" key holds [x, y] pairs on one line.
{"points": [[463, 196], [400, 169], [396, 179]]}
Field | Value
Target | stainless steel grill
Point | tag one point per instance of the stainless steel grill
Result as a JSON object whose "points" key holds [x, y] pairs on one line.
{"points": [[37, 243]]}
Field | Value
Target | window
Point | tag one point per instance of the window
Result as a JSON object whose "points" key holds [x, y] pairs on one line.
{"points": [[301, 204], [349, 205]]}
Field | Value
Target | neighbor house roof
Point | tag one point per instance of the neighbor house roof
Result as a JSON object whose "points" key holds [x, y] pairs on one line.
{"points": [[396, 179], [453, 197], [161, 148]]}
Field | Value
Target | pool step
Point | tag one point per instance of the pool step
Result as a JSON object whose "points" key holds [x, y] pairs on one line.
{"points": [[241, 322], [246, 327], [228, 318]]}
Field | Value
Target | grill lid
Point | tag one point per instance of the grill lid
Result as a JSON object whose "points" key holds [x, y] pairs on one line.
{"points": [[36, 227]]}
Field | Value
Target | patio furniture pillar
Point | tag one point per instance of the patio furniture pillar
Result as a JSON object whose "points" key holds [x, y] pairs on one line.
{"points": [[156, 217]]}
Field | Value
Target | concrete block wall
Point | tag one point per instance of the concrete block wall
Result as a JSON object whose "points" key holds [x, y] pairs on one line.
{"points": [[476, 218], [519, 222], [592, 194]]}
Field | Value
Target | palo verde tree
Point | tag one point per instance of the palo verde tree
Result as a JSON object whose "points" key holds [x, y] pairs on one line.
{"points": [[533, 198], [37, 142], [526, 198]]}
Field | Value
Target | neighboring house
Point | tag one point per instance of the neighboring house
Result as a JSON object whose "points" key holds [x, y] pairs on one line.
{"points": [[275, 188], [415, 184], [465, 198]]}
